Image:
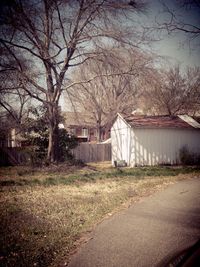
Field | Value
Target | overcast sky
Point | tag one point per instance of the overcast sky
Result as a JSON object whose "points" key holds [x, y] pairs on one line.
{"points": [[176, 46]]}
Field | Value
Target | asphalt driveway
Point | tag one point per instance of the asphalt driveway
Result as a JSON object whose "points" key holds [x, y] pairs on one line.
{"points": [[148, 232]]}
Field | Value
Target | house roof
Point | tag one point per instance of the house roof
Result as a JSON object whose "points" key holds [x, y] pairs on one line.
{"points": [[143, 121], [73, 119]]}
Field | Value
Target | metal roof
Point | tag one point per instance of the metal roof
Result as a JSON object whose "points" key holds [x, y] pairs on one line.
{"points": [[162, 121], [190, 121]]}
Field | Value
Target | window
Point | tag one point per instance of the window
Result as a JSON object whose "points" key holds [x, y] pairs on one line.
{"points": [[73, 131], [95, 132], [84, 132]]}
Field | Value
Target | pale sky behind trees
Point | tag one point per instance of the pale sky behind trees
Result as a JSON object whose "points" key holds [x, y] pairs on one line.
{"points": [[177, 45]]}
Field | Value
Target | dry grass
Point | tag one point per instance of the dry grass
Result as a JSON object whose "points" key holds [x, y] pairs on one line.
{"points": [[42, 219]]}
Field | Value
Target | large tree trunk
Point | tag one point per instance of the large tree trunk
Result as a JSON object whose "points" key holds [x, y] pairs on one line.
{"points": [[99, 132], [53, 151], [53, 148]]}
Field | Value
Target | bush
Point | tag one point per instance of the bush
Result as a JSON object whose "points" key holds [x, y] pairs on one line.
{"points": [[39, 146], [37, 138], [66, 143], [188, 158]]}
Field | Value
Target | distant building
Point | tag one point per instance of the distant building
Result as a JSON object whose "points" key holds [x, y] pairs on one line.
{"points": [[83, 127]]}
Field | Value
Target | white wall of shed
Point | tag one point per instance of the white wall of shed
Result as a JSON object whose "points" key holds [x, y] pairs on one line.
{"points": [[161, 146], [120, 141]]}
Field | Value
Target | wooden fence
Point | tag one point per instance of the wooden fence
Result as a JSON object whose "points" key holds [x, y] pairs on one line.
{"points": [[92, 152], [85, 152], [12, 156]]}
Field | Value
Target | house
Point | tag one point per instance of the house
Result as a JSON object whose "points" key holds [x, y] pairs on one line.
{"points": [[153, 140], [10, 137], [83, 127]]}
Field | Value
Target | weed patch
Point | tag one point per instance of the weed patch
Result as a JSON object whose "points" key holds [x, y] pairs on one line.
{"points": [[50, 179]]}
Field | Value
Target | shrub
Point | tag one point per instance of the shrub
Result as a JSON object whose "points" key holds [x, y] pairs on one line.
{"points": [[66, 143], [38, 150], [188, 158]]}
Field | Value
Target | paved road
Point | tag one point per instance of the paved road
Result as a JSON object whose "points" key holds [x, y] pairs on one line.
{"points": [[147, 232]]}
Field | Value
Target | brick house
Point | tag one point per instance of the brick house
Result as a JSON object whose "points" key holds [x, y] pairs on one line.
{"points": [[83, 127]]}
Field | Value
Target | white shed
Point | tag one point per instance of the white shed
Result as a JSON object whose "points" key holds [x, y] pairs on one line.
{"points": [[153, 140]]}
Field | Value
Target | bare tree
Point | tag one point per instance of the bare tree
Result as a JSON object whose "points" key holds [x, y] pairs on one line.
{"points": [[45, 39], [14, 100], [104, 96], [174, 92], [181, 16]]}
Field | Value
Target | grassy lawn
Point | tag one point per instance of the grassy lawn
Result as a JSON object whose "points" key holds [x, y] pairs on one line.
{"points": [[45, 212]]}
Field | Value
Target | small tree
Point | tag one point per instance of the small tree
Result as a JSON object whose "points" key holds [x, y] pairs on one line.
{"points": [[37, 136]]}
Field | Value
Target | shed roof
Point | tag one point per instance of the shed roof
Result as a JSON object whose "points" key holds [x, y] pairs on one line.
{"points": [[165, 121]]}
